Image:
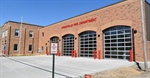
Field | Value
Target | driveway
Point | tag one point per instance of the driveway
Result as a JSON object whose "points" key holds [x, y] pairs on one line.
{"points": [[65, 67]]}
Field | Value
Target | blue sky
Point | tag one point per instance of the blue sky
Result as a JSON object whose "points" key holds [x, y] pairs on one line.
{"points": [[45, 12]]}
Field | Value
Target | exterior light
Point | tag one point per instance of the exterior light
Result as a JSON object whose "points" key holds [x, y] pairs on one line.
{"points": [[135, 31]]}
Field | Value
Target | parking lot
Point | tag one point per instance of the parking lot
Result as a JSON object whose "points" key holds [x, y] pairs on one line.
{"points": [[65, 67]]}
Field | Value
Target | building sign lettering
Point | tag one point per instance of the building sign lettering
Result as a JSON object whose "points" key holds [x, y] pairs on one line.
{"points": [[79, 23]]}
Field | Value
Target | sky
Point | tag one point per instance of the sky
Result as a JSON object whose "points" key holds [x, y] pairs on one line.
{"points": [[45, 12]]}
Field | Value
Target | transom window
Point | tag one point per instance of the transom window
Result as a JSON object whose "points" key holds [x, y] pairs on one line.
{"points": [[117, 42], [87, 43], [68, 44]]}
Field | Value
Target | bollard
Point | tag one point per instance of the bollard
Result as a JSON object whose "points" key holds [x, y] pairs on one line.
{"points": [[99, 54], [72, 53], [58, 53], [46, 52], [94, 54], [131, 56]]}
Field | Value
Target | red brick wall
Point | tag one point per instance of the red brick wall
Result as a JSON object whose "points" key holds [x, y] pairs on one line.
{"points": [[25, 40], [124, 13]]}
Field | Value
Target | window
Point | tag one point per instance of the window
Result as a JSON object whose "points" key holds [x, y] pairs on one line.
{"points": [[3, 35], [16, 32], [31, 34], [30, 47], [42, 34], [6, 33], [15, 47]]}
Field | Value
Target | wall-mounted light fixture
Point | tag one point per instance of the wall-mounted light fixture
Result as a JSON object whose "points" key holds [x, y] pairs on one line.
{"points": [[45, 43], [59, 39], [75, 38], [135, 31], [98, 35]]}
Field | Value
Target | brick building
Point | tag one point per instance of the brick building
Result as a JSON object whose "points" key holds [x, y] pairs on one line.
{"points": [[15, 42], [114, 31]]}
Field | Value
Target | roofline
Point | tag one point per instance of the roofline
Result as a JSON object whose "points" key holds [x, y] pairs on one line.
{"points": [[147, 2], [86, 13], [23, 23]]}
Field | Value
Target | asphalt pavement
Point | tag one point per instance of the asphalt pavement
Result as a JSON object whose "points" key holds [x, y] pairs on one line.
{"points": [[65, 67]]}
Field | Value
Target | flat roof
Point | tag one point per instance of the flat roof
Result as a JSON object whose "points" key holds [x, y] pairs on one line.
{"points": [[23, 23]]}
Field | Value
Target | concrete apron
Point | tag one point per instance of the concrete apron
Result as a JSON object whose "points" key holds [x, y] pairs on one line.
{"points": [[73, 67]]}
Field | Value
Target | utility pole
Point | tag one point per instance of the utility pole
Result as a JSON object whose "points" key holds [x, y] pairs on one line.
{"points": [[143, 36]]}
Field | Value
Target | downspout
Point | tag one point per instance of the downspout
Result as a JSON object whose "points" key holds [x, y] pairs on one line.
{"points": [[24, 41], [9, 41]]}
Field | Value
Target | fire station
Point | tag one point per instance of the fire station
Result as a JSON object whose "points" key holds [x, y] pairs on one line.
{"points": [[112, 32]]}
